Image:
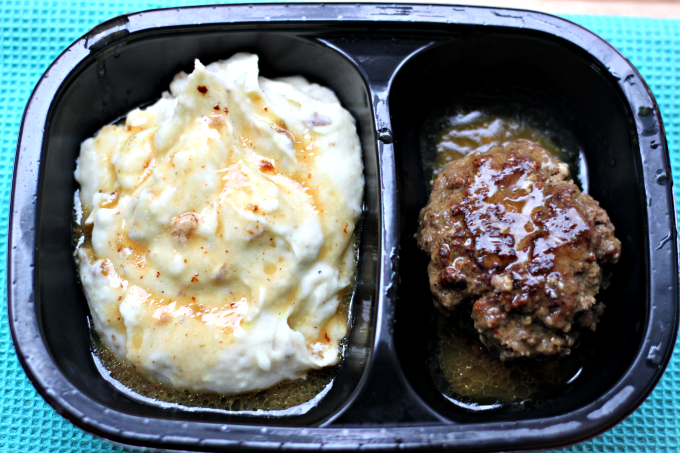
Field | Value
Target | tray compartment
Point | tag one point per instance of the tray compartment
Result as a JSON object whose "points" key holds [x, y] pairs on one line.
{"points": [[105, 87], [542, 72]]}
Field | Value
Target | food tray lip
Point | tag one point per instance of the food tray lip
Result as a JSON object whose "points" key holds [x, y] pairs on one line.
{"points": [[618, 402]]}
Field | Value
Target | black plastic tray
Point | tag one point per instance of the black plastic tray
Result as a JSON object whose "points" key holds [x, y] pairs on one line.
{"points": [[391, 65]]}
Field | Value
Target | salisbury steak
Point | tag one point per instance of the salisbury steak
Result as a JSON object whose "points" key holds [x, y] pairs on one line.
{"points": [[511, 235]]}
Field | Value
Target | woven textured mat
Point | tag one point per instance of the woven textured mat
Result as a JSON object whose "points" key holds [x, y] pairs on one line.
{"points": [[34, 33]]}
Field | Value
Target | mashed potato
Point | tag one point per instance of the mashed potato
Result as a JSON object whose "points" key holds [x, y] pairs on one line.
{"points": [[222, 220]]}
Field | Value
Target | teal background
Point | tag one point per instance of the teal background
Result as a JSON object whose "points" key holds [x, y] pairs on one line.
{"points": [[34, 33]]}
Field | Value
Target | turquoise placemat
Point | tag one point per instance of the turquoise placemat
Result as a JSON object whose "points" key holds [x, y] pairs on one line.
{"points": [[34, 33]]}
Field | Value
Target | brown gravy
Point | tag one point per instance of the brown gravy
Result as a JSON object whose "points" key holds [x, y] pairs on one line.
{"points": [[285, 398]]}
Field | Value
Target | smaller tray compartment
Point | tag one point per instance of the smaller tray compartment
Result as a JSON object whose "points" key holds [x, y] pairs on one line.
{"points": [[543, 72]]}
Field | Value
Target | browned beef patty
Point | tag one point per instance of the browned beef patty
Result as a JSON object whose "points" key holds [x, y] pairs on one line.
{"points": [[511, 235]]}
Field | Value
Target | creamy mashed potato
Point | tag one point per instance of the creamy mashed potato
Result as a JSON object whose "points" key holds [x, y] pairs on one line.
{"points": [[222, 220]]}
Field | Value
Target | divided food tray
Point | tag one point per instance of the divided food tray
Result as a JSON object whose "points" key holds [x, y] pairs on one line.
{"points": [[391, 66]]}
